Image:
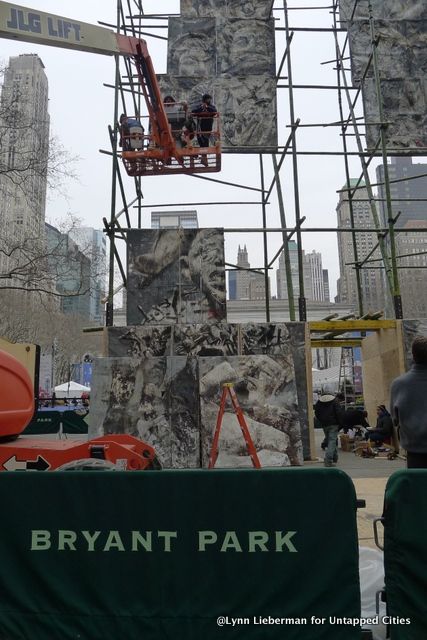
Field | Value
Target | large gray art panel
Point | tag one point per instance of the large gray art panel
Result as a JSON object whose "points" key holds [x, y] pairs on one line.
{"points": [[206, 339], [153, 399], [175, 276], [411, 330], [139, 342], [227, 48], [402, 61], [247, 106], [229, 8], [266, 390], [192, 47], [385, 9], [244, 47], [288, 341]]}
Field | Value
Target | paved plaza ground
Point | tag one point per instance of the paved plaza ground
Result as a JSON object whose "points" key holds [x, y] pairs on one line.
{"points": [[370, 477]]}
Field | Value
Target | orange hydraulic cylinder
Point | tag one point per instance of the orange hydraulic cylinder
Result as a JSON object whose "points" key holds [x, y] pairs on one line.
{"points": [[17, 404]]}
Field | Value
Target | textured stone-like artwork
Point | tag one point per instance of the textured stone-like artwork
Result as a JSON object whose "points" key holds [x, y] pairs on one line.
{"points": [[244, 47], [153, 399], [247, 105], [266, 390], [229, 8], [205, 339], [192, 47], [272, 339], [288, 341], [175, 276], [392, 9], [412, 329], [139, 342], [402, 58], [227, 48]]}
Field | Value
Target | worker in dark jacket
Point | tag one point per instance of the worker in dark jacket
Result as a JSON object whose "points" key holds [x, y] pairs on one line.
{"points": [[384, 427], [204, 112], [408, 406], [330, 415], [354, 418]]}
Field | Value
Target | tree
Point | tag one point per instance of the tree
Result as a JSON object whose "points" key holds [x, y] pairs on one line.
{"points": [[48, 327], [30, 162], [29, 154], [50, 264]]}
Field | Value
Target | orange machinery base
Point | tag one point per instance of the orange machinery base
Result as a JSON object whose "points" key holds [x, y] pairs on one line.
{"points": [[34, 454]]}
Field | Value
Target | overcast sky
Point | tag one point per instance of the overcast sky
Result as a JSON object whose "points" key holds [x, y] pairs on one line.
{"points": [[81, 108]]}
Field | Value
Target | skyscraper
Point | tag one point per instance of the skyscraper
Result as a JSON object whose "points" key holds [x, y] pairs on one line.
{"points": [[412, 245], [242, 275], [246, 284], [372, 280], [24, 133], [312, 275], [92, 242], [282, 291], [71, 272], [174, 219], [313, 261], [326, 290], [407, 195]]}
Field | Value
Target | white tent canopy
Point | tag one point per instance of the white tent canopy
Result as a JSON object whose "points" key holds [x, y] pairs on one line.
{"points": [[326, 380], [70, 390]]}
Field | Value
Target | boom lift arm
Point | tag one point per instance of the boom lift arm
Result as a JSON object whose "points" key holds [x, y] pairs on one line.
{"points": [[162, 155]]}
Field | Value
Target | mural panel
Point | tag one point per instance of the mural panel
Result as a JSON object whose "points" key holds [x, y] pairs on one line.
{"points": [[152, 399], [139, 342], [402, 60], [227, 48], [175, 276], [247, 106], [192, 47], [412, 329], [266, 390], [288, 341], [392, 9], [244, 47], [206, 339], [229, 8]]}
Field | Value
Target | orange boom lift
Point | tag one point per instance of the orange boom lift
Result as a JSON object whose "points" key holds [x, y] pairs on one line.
{"points": [[157, 152], [18, 453]]}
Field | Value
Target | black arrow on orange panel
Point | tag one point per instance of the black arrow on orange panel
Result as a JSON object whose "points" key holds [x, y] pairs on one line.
{"points": [[12, 464]]}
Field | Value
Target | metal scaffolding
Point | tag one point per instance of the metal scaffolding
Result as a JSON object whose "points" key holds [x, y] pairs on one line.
{"points": [[132, 20]]}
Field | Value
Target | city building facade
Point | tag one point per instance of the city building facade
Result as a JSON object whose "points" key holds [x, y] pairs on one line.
{"points": [[313, 273], [71, 273], [407, 195], [372, 279], [174, 219], [93, 244], [408, 190], [412, 246], [245, 284], [24, 145]]}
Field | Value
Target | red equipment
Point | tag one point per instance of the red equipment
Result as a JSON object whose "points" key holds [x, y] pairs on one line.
{"points": [[33, 454], [159, 153], [228, 390]]}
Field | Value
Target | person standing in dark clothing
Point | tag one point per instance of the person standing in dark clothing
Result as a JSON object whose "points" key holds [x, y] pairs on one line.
{"points": [[330, 414], [408, 406], [204, 113]]}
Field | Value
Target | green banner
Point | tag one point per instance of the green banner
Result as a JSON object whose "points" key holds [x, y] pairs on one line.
{"points": [[191, 555], [49, 422], [405, 553]]}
